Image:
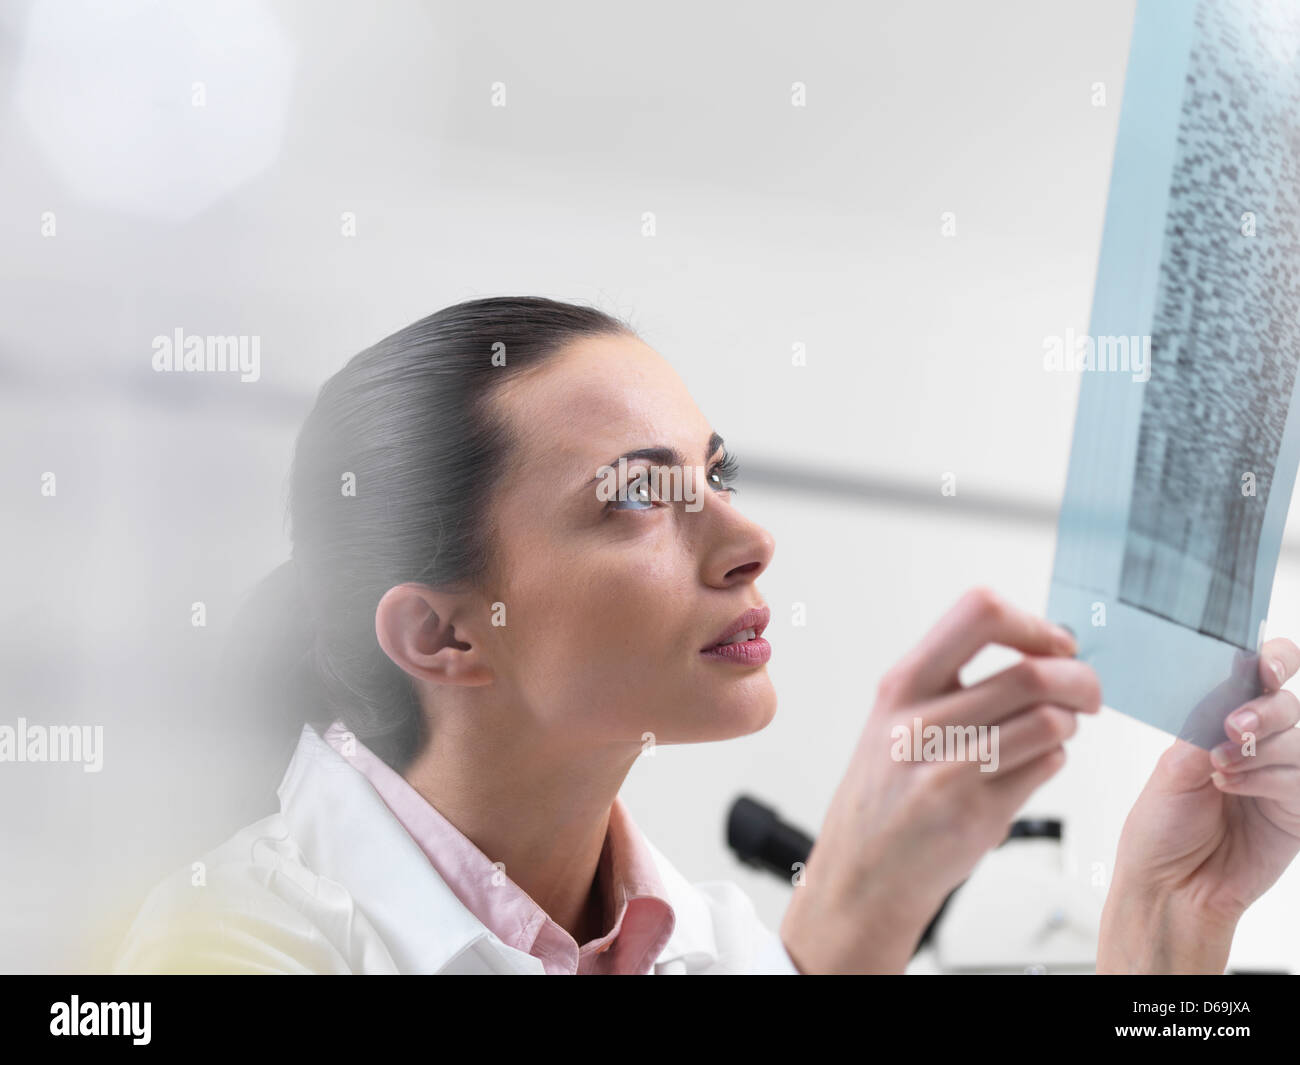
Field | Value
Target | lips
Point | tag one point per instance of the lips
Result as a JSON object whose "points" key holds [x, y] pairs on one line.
{"points": [[755, 618]]}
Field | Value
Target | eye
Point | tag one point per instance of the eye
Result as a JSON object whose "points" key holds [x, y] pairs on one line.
{"points": [[723, 472], [639, 496]]}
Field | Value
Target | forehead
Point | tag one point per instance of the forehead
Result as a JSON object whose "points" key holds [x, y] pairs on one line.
{"points": [[598, 398]]}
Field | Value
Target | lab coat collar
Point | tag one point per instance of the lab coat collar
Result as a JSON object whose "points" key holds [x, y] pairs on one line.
{"points": [[693, 938], [347, 834]]}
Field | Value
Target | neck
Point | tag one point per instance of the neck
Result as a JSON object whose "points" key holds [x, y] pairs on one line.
{"points": [[538, 806]]}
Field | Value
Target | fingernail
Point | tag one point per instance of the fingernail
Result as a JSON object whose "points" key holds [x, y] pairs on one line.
{"points": [[1278, 671], [1219, 779], [1245, 720], [1065, 638], [1225, 754]]}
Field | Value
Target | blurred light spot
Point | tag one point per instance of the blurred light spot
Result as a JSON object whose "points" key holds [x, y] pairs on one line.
{"points": [[109, 92]]}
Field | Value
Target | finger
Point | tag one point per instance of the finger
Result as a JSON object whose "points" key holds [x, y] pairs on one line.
{"points": [[1282, 749], [1016, 786], [979, 618], [1278, 782], [1030, 735], [1033, 680], [1278, 661], [1263, 716]]}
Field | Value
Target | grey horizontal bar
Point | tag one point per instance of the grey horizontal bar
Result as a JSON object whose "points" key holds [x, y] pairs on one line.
{"points": [[278, 404], [875, 490]]}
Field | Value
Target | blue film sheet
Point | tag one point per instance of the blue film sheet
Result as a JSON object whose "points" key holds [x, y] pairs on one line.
{"points": [[1187, 435]]}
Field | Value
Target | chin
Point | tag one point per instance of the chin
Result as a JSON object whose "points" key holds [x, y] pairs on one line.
{"points": [[764, 712], [747, 710]]}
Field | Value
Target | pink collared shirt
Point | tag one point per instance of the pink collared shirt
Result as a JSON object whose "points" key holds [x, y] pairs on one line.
{"points": [[637, 912]]}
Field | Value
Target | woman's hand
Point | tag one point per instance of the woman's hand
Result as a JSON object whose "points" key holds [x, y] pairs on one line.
{"points": [[901, 834], [1210, 833]]}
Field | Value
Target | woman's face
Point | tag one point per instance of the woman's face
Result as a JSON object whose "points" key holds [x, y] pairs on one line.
{"points": [[609, 603]]}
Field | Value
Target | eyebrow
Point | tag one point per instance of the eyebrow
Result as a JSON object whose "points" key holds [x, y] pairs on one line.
{"points": [[662, 456]]}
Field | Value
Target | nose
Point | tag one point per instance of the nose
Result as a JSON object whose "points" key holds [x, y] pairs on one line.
{"points": [[739, 549]]}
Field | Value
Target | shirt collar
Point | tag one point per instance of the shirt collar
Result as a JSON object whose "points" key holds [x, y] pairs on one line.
{"points": [[349, 834], [637, 917]]}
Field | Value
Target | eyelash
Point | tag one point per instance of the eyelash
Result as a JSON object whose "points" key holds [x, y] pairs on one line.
{"points": [[728, 467]]}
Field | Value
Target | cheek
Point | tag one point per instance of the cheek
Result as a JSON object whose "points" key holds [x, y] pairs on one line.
{"points": [[629, 590], [612, 629]]}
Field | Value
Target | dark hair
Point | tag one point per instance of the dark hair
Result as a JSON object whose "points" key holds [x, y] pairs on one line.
{"points": [[407, 423]]}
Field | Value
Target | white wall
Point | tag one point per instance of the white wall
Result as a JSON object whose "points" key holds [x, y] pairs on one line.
{"points": [[775, 225]]}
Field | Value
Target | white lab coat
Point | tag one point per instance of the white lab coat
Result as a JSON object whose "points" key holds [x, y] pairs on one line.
{"points": [[334, 884]]}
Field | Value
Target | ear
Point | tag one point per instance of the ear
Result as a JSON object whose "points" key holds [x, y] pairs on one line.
{"points": [[415, 626]]}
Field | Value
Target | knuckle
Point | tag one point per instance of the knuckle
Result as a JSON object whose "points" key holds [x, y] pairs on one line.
{"points": [[941, 791], [1060, 723], [1043, 719], [891, 684], [984, 603], [1031, 677], [1171, 758]]}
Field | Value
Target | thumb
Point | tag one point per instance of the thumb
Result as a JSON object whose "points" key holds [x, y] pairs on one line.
{"points": [[1183, 767]]}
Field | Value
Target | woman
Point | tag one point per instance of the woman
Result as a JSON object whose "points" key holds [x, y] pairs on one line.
{"points": [[499, 616]]}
